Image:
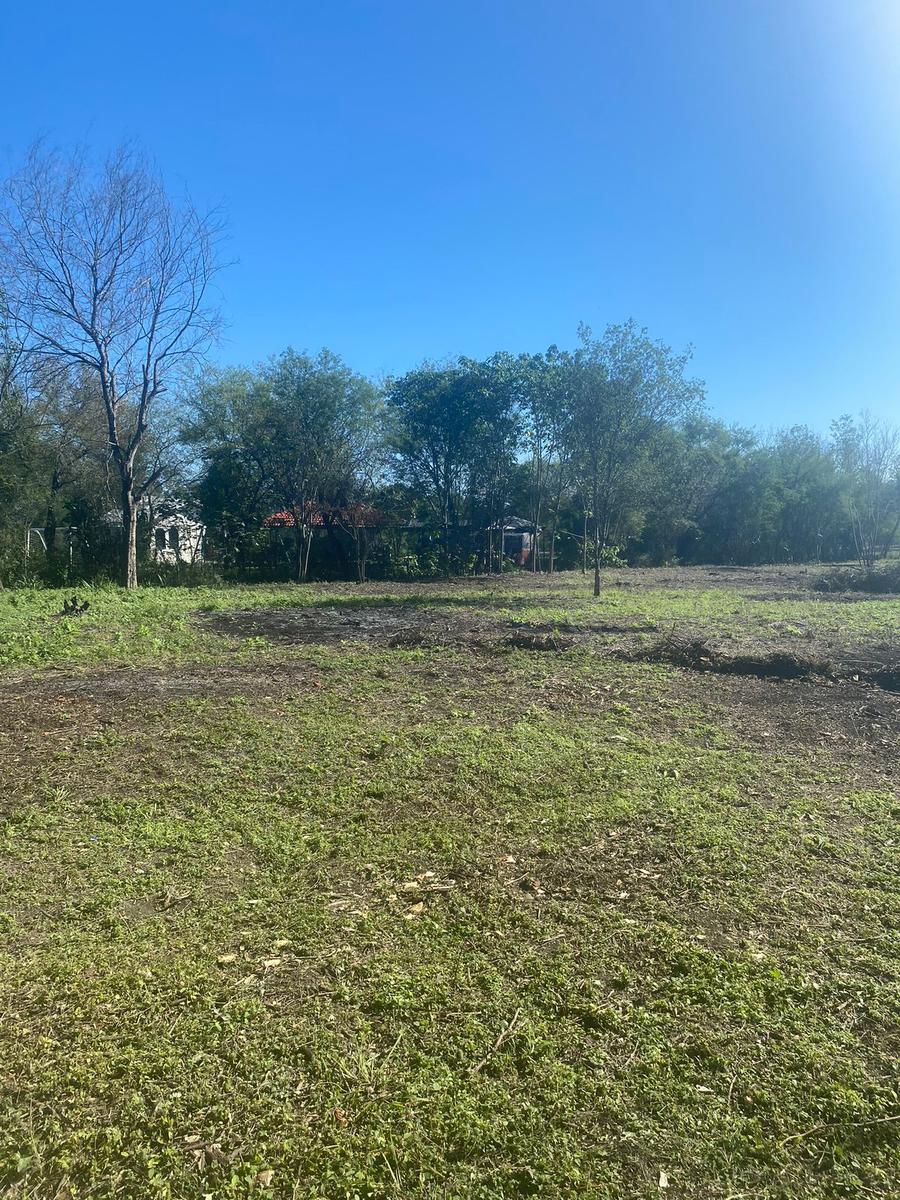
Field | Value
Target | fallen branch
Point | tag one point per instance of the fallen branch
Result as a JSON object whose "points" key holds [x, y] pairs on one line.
{"points": [[840, 1125], [505, 1034]]}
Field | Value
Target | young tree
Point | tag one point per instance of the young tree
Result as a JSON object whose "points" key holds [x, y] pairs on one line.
{"points": [[100, 271], [625, 388]]}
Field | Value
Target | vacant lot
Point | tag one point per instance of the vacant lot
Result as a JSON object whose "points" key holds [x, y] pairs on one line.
{"points": [[479, 889]]}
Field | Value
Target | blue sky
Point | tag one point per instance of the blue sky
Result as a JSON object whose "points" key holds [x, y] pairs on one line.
{"points": [[418, 179]]}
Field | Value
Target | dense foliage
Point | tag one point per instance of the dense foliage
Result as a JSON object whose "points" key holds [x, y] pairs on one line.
{"points": [[301, 467]]}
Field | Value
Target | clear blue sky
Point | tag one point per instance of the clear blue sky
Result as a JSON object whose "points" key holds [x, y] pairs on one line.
{"points": [[409, 179]]}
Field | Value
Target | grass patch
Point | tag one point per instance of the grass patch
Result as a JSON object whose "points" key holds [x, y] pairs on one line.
{"points": [[408, 923], [159, 624]]}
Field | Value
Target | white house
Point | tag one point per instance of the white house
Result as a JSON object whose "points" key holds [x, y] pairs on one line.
{"points": [[175, 537]]}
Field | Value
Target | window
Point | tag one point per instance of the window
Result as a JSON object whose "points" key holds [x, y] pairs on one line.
{"points": [[173, 538], [159, 537]]}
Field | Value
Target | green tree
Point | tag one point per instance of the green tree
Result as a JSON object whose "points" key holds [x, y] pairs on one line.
{"points": [[23, 464], [496, 437], [297, 433], [434, 439], [810, 522], [626, 388]]}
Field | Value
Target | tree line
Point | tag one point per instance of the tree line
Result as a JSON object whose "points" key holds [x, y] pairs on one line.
{"points": [[300, 465]]}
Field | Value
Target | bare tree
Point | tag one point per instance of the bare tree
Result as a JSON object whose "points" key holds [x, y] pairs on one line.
{"points": [[101, 271], [868, 455]]}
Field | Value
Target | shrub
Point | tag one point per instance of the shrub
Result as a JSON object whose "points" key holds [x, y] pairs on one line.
{"points": [[880, 581]]}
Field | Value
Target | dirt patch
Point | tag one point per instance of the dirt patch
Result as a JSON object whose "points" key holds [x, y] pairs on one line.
{"points": [[844, 720], [591, 627], [886, 677], [524, 639], [43, 715], [395, 624], [408, 626], [110, 687], [796, 579], [697, 654]]}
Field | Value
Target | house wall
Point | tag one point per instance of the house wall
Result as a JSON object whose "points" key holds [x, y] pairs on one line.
{"points": [[176, 539]]}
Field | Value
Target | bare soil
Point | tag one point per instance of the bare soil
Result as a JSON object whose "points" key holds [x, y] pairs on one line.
{"points": [[404, 625]]}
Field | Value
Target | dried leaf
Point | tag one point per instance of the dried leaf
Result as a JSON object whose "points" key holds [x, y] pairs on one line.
{"points": [[264, 1178], [663, 1181], [224, 959]]}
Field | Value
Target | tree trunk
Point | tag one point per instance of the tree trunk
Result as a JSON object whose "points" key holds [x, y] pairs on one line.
{"points": [[50, 516], [50, 532], [596, 545], [536, 522], [299, 551], [129, 526], [309, 538], [362, 555], [596, 557]]}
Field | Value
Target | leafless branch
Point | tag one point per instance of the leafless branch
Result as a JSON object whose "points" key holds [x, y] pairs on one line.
{"points": [[102, 271]]}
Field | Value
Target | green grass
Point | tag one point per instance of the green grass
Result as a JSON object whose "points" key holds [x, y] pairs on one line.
{"points": [[422, 924], [155, 624], [151, 624]]}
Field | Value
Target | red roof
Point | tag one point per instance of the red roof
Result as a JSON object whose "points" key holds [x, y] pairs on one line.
{"points": [[353, 514], [285, 520]]}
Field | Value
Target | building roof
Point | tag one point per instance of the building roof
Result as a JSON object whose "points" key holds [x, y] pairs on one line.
{"points": [[362, 515]]}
